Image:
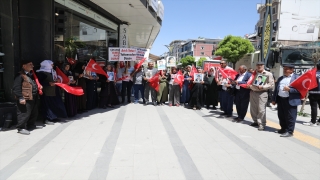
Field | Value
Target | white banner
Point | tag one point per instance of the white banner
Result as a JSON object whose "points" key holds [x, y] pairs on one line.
{"points": [[160, 13], [114, 53], [299, 20], [140, 53], [128, 54], [123, 41]]}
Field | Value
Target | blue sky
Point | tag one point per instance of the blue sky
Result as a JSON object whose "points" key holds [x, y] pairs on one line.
{"points": [[189, 19]]}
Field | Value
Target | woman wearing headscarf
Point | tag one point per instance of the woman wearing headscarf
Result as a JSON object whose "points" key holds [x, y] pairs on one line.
{"points": [[92, 92], [108, 93], [185, 88], [196, 96], [51, 101], [70, 100], [174, 88], [211, 92], [81, 82], [162, 94]]}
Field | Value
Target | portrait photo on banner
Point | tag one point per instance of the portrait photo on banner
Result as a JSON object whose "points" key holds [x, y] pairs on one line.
{"points": [[171, 61], [198, 77], [260, 80], [161, 64], [110, 76]]}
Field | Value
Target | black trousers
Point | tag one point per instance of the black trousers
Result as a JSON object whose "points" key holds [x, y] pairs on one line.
{"points": [[242, 100], [287, 114], [27, 114], [314, 103], [126, 90]]}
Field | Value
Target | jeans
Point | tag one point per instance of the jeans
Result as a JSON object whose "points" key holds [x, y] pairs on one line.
{"points": [[137, 88]]}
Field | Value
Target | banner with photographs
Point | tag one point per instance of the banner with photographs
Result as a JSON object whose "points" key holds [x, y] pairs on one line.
{"points": [[161, 64], [171, 61]]}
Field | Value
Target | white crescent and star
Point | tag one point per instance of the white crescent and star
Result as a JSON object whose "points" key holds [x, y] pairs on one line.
{"points": [[93, 66], [304, 83], [60, 78]]}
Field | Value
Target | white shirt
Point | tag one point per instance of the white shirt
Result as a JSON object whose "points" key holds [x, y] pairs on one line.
{"points": [[240, 79], [128, 75], [284, 82]]}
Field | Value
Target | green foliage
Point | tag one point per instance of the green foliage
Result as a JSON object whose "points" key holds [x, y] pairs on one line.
{"points": [[200, 61], [303, 114], [188, 60], [233, 48], [71, 46]]}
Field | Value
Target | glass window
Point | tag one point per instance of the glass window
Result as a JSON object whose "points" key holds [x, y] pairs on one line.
{"points": [[297, 56]]}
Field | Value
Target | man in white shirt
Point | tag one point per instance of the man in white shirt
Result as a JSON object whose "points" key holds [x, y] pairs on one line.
{"points": [[147, 75]]}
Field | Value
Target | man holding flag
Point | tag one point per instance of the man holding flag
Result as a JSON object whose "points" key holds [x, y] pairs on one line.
{"points": [[147, 75], [287, 98], [259, 97]]}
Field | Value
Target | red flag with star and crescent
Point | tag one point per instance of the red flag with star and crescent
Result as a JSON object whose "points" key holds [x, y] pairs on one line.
{"points": [[154, 81], [250, 80], [137, 66], [63, 78], [179, 78], [193, 71], [94, 67], [305, 82]]}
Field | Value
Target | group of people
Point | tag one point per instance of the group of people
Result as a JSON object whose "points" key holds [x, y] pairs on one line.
{"points": [[116, 88]]}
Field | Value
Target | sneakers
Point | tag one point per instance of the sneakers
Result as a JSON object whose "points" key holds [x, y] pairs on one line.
{"points": [[47, 122], [2, 54], [260, 128], [135, 102], [310, 124], [24, 131]]}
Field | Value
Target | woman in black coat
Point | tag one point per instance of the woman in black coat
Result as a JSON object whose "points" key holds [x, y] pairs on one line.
{"points": [[108, 93]]}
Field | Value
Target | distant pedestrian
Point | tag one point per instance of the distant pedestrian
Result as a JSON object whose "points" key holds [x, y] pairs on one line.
{"points": [[287, 98], [138, 84], [174, 88]]}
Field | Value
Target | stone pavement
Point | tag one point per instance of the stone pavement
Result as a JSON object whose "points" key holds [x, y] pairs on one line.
{"points": [[148, 142]]}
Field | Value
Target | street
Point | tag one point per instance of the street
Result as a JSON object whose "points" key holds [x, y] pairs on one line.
{"points": [[147, 142]]}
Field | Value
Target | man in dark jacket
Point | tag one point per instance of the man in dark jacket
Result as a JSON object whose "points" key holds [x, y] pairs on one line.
{"points": [[26, 92], [287, 98]]}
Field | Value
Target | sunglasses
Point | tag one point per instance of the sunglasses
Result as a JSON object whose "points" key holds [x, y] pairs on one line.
{"points": [[222, 63]]}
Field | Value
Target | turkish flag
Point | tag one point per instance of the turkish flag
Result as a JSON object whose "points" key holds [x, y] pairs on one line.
{"points": [[230, 73], [71, 60], [223, 74], [179, 78], [94, 67], [139, 63], [63, 78], [154, 82], [37, 82], [218, 58], [78, 91], [305, 82], [193, 71], [250, 80]]}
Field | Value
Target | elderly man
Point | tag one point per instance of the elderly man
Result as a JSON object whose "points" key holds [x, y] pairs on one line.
{"points": [[259, 97], [287, 98], [25, 91], [242, 97], [226, 99], [148, 73]]}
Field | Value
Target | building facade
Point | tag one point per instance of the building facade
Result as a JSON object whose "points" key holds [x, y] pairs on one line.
{"points": [[79, 29]]}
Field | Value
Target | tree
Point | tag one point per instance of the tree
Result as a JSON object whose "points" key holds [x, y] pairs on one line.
{"points": [[188, 60], [200, 61], [233, 48]]}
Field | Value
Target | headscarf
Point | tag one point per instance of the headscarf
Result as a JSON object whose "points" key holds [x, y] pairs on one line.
{"points": [[46, 66]]}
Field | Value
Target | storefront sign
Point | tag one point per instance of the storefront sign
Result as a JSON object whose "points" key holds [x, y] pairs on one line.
{"points": [[114, 54], [160, 13], [105, 21], [128, 54], [154, 5], [87, 12], [79, 8], [123, 41]]}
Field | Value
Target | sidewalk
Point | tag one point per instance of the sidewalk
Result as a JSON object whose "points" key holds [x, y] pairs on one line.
{"points": [[148, 142]]}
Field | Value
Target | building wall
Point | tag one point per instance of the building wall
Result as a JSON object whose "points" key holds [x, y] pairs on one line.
{"points": [[203, 50]]}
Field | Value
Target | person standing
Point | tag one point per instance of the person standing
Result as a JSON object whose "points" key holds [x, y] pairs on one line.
{"points": [[138, 84], [162, 94], [70, 100], [211, 89], [25, 91], [242, 95], [51, 101], [127, 83], [259, 97], [196, 96], [174, 88], [314, 98], [119, 75], [108, 93], [287, 98], [92, 90], [81, 82], [185, 97], [224, 98], [147, 75]]}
